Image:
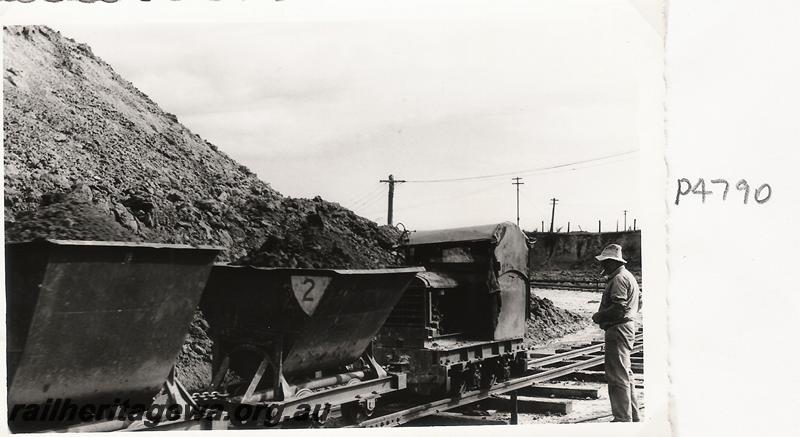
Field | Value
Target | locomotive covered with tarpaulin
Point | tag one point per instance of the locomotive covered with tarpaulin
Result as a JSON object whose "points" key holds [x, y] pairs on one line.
{"points": [[461, 323]]}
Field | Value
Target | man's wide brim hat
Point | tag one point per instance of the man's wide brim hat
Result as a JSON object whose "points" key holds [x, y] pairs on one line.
{"points": [[612, 251]]}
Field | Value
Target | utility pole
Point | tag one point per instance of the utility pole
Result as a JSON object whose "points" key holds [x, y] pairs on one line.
{"points": [[634, 224], [553, 214], [391, 181], [542, 225], [568, 227], [625, 226], [617, 225], [517, 183], [599, 227]]}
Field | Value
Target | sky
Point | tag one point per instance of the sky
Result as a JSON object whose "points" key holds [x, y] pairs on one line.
{"points": [[330, 106]]}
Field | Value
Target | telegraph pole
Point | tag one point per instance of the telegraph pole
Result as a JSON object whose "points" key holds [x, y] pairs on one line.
{"points": [[517, 183], [391, 181], [553, 214], [625, 225]]}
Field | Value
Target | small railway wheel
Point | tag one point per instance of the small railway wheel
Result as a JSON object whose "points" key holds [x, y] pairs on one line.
{"points": [[489, 378], [505, 369], [520, 364], [478, 377], [472, 376], [302, 393], [459, 387], [457, 384], [491, 372]]}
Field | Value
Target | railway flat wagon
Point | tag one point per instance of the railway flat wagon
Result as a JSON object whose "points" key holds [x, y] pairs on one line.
{"points": [[460, 325], [95, 323], [299, 337]]}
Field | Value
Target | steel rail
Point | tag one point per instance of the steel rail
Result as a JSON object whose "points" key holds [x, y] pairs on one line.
{"points": [[556, 358], [417, 412]]}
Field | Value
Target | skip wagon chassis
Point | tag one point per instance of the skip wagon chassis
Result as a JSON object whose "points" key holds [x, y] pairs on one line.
{"points": [[355, 391], [357, 401]]}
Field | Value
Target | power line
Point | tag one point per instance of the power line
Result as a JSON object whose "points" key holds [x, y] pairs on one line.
{"points": [[367, 200], [440, 200], [355, 200], [371, 203], [469, 178]]}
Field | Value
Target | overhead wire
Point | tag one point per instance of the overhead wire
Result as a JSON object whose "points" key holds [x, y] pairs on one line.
{"points": [[376, 195], [555, 169], [528, 171], [362, 196]]}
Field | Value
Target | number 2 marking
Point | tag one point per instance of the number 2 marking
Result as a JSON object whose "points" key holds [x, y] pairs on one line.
{"points": [[306, 297]]}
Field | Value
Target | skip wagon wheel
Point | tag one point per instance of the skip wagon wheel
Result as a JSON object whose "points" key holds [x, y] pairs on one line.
{"points": [[318, 416], [302, 393], [458, 384]]}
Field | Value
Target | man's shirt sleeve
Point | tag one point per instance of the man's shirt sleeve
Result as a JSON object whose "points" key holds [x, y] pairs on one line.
{"points": [[618, 290]]}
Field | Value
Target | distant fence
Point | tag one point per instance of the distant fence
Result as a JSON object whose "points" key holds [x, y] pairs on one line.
{"points": [[576, 250]]}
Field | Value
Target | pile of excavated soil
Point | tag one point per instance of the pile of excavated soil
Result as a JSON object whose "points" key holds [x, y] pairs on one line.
{"points": [[67, 219], [548, 321], [320, 234]]}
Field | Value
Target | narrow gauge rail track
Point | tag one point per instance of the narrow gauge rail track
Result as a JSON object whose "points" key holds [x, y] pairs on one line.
{"points": [[540, 370], [573, 361], [568, 284]]}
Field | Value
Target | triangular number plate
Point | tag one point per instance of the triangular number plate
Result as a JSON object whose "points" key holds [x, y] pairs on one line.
{"points": [[308, 290]]}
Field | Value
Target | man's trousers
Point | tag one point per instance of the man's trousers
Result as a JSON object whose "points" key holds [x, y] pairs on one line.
{"points": [[619, 343]]}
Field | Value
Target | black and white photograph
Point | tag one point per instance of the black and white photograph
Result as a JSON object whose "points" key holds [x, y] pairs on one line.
{"points": [[336, 217]]}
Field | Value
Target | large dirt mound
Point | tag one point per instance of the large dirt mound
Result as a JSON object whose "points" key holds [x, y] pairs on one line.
{"points": [[74, 129], [319, 234], [73, 124], [549, 321]]}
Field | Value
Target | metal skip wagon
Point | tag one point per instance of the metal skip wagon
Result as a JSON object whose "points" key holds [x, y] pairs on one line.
{"points": [[96, 322], [302, 336]]}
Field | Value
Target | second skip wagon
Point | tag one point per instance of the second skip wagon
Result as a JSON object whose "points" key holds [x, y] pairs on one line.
{"points": [[305, 334]]}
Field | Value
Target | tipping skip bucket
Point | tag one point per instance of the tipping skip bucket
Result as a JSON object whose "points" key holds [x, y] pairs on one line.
{"points": [[323, 319], [97, 321]]}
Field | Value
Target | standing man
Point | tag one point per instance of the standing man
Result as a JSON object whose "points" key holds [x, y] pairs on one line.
{"points": [[618, 308]]}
